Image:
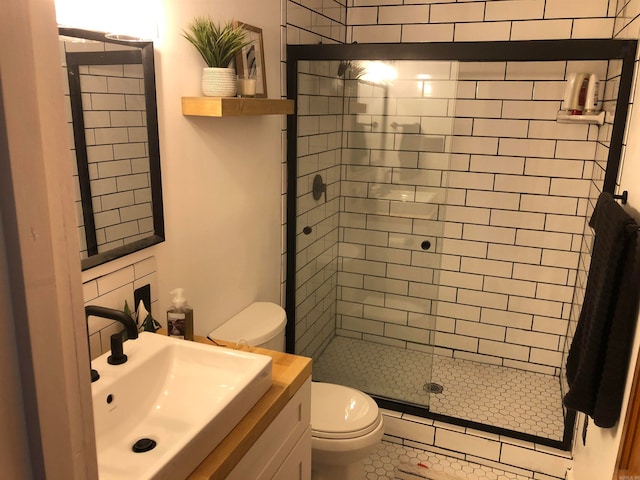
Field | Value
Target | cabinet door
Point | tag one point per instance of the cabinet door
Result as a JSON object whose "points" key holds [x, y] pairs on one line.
{"points": [[297, 466], [281, 437]]}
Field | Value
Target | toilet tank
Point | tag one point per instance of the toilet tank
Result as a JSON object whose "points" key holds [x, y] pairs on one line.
{"points": [[261, 324]]}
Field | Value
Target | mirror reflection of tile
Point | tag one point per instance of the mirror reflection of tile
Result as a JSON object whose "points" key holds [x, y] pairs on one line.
{"points": [[113, 144]]}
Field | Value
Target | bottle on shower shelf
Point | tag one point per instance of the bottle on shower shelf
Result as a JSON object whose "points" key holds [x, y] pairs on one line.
{"points": [[593, 99]]}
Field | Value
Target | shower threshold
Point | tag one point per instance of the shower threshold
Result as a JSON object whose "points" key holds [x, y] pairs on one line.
{"points": [[505, 399]]}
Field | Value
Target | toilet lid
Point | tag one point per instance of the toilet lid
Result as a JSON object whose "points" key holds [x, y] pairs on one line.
{"points": [[341, 412], [256, 324]]}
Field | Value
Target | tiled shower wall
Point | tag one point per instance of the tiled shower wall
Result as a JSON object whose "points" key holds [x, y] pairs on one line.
{"points": [[314, 21], [448, 21], [320, 110], [399, 21], [319, 139], [626, 26], [514, 214]]}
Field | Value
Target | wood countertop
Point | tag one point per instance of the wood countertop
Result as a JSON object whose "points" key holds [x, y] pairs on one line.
{"points": [[289, 372]]}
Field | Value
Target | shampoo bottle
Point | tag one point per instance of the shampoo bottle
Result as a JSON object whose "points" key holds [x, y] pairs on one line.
{"points": [[180, 316], [569, 103], [575, 93], [593, 102]]}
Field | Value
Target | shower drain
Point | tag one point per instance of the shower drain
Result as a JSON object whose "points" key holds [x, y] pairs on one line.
{"points": [[431, 387]]}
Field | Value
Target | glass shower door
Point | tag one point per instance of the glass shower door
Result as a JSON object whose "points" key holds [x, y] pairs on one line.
{"points": [[367, 265]]}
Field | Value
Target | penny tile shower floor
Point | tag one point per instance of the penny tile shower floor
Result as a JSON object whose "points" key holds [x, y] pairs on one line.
{"points": [[384, 463], [504, 397]]}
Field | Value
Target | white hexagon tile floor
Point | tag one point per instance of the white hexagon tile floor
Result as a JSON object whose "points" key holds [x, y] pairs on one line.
{"points": [[383, 464], [504, 397]]}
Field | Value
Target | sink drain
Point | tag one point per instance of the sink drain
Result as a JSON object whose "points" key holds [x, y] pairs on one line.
{"points": [[430, 387], [144, 445]]}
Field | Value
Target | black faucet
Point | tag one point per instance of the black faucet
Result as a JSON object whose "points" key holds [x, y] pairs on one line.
{"points": [[117, 356]]}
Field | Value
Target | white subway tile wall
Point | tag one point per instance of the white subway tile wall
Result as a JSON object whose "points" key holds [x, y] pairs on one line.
{"points": [[508, 238], [596, 175], [491, 20], [309, 22], [312, 22], [112, 290], [91, 119], [627, 21], [320, 139]]}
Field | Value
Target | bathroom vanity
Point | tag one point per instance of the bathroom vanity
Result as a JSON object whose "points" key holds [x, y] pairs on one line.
{"points": [[273, 441]]}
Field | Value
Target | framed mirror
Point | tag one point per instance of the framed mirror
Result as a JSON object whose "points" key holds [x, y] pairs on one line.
{"points": [[113, 122]]}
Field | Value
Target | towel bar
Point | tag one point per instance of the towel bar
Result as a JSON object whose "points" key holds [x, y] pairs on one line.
{"points": [[622, 197]]}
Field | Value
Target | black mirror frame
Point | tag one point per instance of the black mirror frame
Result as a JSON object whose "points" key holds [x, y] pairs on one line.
{"points": [[158, 236]]}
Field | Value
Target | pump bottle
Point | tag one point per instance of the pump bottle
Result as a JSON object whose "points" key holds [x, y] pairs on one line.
{"points": [[180, 316]]}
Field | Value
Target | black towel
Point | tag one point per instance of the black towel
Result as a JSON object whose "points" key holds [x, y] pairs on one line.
{"points": [[598, 360]]}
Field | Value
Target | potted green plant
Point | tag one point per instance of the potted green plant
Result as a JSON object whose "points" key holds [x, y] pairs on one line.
{"points": [[218, 46]]}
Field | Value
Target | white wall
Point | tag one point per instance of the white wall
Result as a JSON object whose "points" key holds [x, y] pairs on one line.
{"points": [[221, 177]]}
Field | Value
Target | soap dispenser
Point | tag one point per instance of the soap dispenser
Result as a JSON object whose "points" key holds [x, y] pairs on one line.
{"points": [[180, 316]]}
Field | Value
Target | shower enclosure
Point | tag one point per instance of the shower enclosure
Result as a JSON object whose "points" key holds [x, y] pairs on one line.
{"points": [[436, 219]]}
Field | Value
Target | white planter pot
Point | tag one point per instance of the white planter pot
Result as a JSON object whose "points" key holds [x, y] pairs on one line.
{"points": [[219, 82]]}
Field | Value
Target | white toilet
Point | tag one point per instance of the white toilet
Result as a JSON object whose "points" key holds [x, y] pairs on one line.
{"points": [[261, 324], [346, 424]]}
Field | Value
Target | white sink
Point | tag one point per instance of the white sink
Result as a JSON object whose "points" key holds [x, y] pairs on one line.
{"points": [[183, 395]]}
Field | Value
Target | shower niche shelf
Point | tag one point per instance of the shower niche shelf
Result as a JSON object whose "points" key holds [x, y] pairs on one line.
{"points": [[234, 106], [594, 118]]}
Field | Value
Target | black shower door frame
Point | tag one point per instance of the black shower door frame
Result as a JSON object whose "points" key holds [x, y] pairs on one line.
{"points": [[529, 50]]}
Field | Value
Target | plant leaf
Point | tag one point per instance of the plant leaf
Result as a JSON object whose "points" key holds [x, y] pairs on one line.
{"points": [[218, 45]]}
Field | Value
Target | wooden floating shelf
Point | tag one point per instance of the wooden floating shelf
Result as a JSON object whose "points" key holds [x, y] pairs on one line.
{"points": [[235, 106]]}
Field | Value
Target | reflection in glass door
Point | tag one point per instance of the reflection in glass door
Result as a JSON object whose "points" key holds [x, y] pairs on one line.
{"points": [[367, 258]]}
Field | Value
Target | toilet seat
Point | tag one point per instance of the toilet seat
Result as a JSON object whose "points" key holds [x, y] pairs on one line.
{"points": [[339, 412]]}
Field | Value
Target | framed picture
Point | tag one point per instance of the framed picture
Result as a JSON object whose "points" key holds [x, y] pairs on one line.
{"points": [[250, 61]]}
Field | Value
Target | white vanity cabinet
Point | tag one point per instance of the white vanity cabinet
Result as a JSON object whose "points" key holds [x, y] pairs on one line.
{"points": [[283, 451]]}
